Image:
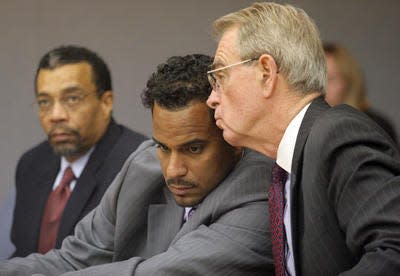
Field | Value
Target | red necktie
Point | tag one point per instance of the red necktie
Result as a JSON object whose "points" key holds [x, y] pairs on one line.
{"points": [[276, 206], [53, 212]]}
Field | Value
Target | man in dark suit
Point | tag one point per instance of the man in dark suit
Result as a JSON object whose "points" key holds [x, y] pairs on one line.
{"points": [[335, 195], [75, 100], [145, 223]]}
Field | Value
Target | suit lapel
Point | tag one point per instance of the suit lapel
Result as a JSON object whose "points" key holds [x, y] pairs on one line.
{"points": [[316, 108], [87, 182], [41, 188], [164, 222]]}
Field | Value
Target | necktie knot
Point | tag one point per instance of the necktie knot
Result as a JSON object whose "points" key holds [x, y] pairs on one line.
{"points": [[67, 178], [189, 213], [279, 175]]}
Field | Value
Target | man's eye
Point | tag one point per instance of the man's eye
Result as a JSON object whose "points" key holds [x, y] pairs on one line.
{"points": [[43, 102], [73, 99], [162, 147], [196, 149], [219, 77]]}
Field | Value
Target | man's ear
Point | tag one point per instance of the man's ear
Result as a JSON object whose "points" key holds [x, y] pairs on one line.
{"points": [[269, 71], [107, 101]]}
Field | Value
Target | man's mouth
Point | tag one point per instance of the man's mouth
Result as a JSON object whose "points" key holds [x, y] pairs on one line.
{"points": [[179, 190], [180, 187], [218, 122], [61, 136]]}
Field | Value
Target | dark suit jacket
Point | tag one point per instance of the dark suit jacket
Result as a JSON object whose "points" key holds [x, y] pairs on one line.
{"points": [[36, 173], [383, 122], [345, 194], [137, 227]]}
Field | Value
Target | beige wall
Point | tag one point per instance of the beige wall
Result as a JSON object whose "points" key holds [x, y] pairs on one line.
{"points": [[135, 36]]}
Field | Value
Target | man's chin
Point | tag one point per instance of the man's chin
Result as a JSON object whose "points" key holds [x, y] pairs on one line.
{"points": [[65, 149], [230, 138], [185, 202]]}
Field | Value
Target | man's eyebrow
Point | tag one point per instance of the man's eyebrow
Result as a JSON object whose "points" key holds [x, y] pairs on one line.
{"points": [[191, 142], [194, 141], [42, 94], [157, 142], [66, 90], [72, 89]]}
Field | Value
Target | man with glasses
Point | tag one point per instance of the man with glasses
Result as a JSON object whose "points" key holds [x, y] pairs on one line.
{"points": [[60, 180], [186, 203], [334, 200]]}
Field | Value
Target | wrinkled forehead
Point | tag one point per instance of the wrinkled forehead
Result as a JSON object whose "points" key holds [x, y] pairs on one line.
{"points": [[80, 72], [64, 77], [227, 50]]}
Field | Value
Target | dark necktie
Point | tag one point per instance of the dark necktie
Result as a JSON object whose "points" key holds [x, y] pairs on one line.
{"points": [[53, 212], [276, 206]]}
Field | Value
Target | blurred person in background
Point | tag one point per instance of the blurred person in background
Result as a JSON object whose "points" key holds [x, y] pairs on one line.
{"points": [[346, 85]]}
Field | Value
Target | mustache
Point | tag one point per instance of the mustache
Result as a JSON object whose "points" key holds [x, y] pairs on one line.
{"points": [[180, 182], [64, 128]]}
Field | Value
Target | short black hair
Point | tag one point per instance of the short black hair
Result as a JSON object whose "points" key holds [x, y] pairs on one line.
{"points": [[178, 82], [71, 54]]}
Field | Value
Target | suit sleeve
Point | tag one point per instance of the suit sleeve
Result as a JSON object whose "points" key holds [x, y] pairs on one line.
{"points": [[362, 168], [234, 241], [226, 247]]}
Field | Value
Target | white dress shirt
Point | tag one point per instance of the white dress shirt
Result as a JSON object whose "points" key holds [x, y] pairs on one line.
{"points": [[284, 160], [77, 168]]}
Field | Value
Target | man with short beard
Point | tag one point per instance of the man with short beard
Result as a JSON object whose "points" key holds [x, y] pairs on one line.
{"points": [[75, 100]]}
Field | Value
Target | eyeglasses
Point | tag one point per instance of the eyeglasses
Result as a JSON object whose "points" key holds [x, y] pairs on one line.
{"points": [[212, 78], [69, 102]]}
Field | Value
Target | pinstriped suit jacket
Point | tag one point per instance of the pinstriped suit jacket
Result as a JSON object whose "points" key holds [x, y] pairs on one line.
{"points": [[137, 228], [346, 195]]}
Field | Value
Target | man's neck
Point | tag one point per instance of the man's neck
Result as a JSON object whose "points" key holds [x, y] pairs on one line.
{"points": [[285, 111]]}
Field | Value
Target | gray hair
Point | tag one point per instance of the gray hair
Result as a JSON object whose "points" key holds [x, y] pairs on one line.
{"points": [[286, 33]]}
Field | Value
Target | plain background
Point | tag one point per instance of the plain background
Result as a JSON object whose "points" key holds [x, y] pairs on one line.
{"points": [[134, 36]]}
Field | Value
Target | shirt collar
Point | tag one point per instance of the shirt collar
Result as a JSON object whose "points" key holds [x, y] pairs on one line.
{"points": [[78, 165], [285, 152]]}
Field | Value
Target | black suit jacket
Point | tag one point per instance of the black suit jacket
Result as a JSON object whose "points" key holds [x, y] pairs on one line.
{"points": [[345, 195], [36, 173]]}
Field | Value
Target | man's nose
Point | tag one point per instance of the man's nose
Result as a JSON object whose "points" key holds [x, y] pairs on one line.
{"points": [[176, 166], [213, 100], [58, 112]]}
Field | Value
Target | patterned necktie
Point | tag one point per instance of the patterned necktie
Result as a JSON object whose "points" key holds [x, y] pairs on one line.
{"points": [[276, 206], [53, 212], [189, 214]]}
